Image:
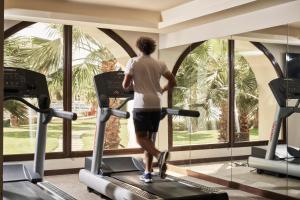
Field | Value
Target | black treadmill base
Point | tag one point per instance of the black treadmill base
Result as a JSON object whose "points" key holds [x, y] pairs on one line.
{"points": [[172, 189]]}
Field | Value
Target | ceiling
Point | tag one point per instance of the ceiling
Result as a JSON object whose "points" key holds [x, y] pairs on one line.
{"points": [[153, 5], [177, 22]]}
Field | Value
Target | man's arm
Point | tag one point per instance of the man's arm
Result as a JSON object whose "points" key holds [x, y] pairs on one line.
{"points": [[127, 82], [171, 81]]}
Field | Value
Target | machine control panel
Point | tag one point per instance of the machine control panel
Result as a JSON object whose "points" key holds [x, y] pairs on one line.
{"points": [[24, 83], [110, 84], [285, 88]]}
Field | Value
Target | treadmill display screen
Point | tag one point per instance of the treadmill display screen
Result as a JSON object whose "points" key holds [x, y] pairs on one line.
{"points": [[293, 65], [110, 84]]}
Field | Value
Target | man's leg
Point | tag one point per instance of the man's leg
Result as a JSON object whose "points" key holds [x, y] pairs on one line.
{"points": [[148, 156], [147, 144], [146, 121], [150, 151]]}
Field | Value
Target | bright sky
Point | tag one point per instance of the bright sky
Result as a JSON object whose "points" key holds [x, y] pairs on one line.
{"points": [[37, 30], [42, 30]]}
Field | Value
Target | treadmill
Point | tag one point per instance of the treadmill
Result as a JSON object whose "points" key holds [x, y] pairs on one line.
{"points": [[20, 181], [279, 159], [118, 177]]}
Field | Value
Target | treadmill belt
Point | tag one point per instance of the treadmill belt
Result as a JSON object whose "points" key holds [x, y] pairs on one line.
{"points": [[24, 190], [166, 188]]}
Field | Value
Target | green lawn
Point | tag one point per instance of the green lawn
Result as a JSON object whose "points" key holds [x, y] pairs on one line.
{"points": [[18, 140], [202, 137], [84, 129], [88, 138]]}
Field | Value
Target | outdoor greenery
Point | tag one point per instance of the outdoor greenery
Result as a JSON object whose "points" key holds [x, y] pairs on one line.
{"points": [[44, 54], [88, 137], [203, 85], [203, 137], [20, 140]]}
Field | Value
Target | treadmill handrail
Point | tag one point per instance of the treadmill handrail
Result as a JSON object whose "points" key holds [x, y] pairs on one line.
{"points": [[27, 104], [120, 113], [179, 112], [53, 112], [63, 114]]}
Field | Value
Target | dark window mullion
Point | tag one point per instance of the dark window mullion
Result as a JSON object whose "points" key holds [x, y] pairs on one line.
{"points": [[231, 92], [67, 89]]}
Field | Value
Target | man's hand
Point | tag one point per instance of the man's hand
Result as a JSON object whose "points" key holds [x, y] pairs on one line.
{"points": [[127, 82], [171, 82]]}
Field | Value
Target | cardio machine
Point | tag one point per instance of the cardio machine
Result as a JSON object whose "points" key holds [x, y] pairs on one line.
{"points": [[276, 158], [20, 181], [118, 177]]}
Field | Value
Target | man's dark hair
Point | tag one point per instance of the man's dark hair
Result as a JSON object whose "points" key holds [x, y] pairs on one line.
{"points": [[146, 45]]}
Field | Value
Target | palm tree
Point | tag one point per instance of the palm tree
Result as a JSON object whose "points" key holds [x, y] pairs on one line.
{"points": [[203, 80], [17, 112], [45, 55], [246, 96]]}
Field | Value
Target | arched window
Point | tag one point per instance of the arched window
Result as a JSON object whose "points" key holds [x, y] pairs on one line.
{"points": [[202, 75], [41, 47]]}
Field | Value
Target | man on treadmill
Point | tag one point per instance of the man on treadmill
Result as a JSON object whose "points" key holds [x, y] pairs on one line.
{"points": [[143, 73]]}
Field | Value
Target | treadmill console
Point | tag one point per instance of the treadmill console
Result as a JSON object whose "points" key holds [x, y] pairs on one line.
{"points": [[285, 88], [23, 83], [110, 85]]}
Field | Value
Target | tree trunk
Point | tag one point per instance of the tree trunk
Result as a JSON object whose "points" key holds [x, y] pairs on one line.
{"points": [[14, 121], [112, 138], [244, 123], [255, 120], [243, 135], [223, 123]]}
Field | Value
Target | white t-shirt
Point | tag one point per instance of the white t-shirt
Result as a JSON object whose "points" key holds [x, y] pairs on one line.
{"points": [[146, 73]]}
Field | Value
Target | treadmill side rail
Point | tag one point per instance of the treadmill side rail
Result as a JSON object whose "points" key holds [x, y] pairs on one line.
{"points": [[281, 167], [19, 172], [55, 191], [109, 189]]}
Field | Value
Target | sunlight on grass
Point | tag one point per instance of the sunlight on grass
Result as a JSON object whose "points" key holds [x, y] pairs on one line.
{"points": [[88, 138], [181, 138], [18, 140]]}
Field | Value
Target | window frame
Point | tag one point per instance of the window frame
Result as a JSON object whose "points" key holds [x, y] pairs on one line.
{"points": [[67, 95], [231, 96]]}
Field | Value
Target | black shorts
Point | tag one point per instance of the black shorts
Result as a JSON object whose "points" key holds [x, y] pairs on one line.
{"points": [[146, 121]]}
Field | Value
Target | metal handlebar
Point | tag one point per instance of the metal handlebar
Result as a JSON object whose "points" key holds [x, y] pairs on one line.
{"points": [[119, 113], [63, 114], [179, 112]]}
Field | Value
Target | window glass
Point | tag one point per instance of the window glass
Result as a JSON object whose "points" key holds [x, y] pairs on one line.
{"points": [[202, 84], [94, 53], [38, 48], [254, 102]]}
